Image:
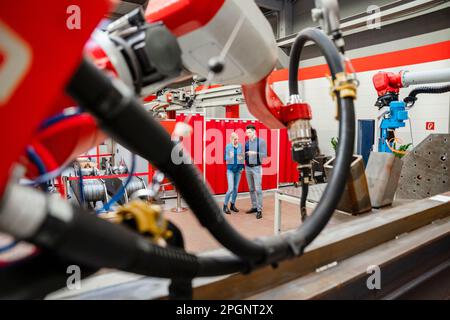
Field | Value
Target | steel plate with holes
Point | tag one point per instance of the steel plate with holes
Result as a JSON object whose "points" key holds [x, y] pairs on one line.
{"points": [[426, 169]]}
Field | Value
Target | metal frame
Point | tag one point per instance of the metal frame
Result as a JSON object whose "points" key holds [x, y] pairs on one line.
{"points": [[219, 97], [277, 215]]}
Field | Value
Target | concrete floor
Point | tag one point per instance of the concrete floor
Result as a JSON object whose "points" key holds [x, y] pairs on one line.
{"points": [[112, 284], [198, 239]]}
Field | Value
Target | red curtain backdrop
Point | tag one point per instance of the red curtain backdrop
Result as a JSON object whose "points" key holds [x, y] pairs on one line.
{"points": [[206, 145], [218, 135], [288, 168], [195, 143]]}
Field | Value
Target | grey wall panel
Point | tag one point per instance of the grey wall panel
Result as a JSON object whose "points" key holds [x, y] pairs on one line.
{"points": [[416, 26], [302, 10]]}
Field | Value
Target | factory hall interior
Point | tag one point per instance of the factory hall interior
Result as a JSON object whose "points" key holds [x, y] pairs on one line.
{"points": [[225, 150]]}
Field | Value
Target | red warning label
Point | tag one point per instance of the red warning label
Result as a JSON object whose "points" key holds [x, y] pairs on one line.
{"points": [[429, 125]]}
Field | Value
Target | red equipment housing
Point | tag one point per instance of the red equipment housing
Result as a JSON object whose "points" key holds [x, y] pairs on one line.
{"points": [[387, 82], [38, 64], [40, 76]]}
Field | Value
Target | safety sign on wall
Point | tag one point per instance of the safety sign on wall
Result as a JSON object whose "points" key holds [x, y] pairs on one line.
{"points": [[429, 125]]}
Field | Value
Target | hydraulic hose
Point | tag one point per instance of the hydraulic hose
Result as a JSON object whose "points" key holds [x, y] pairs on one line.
{"points": [[37, 276], [81, 236], [333, 192], [327, 48], [335, 187], [78, 235], [412, 97], [124, 118], [303, 172], [304, 196]]}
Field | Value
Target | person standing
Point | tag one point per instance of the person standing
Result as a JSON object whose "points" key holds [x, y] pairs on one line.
{"points": [[255, 152], [234, 157]]}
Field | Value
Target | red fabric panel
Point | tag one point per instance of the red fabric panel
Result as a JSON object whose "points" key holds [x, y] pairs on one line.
{"points": [[288, 168], [169, 125], [221, 166], [194, 144], [218, 135], [212, 129]]}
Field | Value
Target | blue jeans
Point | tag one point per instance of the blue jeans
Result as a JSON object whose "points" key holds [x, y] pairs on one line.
{"points": [[254, 179], [233, 179]]}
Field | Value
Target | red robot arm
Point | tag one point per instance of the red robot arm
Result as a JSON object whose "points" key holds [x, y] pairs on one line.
{"points": [[387, 82]]}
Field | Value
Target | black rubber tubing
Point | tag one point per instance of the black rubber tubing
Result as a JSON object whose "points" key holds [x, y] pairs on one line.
{"points": [[327, 48], [428, 90], [333, 192], [336, 185], [124, 118], [117, 111], [91, 241], [304, 196]]}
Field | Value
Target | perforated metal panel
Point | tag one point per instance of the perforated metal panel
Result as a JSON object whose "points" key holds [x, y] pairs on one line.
{"points": [[426, 169]]}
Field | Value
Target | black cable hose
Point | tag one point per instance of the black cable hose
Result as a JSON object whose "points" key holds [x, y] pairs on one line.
{"points": [[412, 96], [327, 48], [335, 187], [123, 117], [305, 189], [91, 241], [36, 276], [333, 192], [420, 90]]}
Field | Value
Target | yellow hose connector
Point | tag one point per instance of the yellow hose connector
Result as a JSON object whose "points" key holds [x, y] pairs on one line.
{"points": [[344, 85], [148, 218]]}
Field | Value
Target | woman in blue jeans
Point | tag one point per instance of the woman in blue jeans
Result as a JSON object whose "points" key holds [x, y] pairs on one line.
{"points": [[234, 157]]}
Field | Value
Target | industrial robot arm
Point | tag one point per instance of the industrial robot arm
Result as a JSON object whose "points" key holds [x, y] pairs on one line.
{"points": [[388, 85]]}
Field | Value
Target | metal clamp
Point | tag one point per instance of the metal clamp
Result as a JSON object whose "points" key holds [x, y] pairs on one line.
{"points": [[344, 85], [148, 218]]}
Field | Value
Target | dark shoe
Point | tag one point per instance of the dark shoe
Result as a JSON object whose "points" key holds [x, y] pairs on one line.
{"points": [[233, 208], [252, 210], [259, 215], [226, 210]]}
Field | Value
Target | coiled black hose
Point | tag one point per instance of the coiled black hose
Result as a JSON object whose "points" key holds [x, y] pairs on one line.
{"points": [[123, 117], [411, 99], [333, 192], [304, 196], [335, 187], [327, 48]]}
